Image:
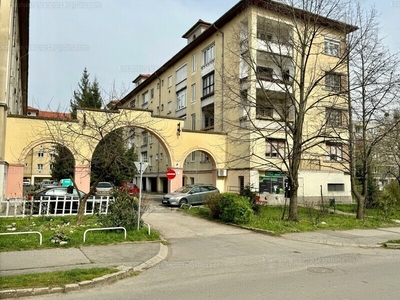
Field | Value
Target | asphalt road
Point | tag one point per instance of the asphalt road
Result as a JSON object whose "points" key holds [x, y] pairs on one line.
{"points": [[215, 261]]}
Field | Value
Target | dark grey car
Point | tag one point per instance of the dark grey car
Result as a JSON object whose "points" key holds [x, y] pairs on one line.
{"points": [[189, 194]]}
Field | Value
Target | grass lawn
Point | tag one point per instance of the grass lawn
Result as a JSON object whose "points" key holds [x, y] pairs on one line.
{"points": [[66, 226], [53, 279], [270, 218]]}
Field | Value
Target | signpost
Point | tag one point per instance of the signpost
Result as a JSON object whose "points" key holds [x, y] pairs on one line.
{"points": [[171, 174], [141, 167]]}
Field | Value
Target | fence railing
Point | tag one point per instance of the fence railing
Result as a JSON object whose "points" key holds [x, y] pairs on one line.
{"points": [[52, 206]]}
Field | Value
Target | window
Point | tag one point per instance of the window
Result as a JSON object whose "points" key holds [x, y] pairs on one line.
{"points": [[181, 99], [333, 117], [332, 82], [193, 92], [208, 121], [150, 138], [40, 167], [334, 151], [335, 187], [204, 158], [169, 106], [275, 148], [194, 66], [144, 156], [208, 84], [152, 93], [40, 153], [193, 121], [332, 47], [263, 35], [181, 74], [208, 116], [264, 72], [133, 103], [193, 156], [145, 138], [145, 98], [150, 160], [51, 166], [209, 55], [169, 81], [264, 109]]}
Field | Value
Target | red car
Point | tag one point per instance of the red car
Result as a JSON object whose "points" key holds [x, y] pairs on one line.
{"points": [[131, 188]]}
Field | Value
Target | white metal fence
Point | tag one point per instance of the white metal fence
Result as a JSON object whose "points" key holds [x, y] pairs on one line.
{"points": [[52, 206]]}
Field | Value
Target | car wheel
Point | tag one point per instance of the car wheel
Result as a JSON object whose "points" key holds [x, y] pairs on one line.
{"points": [[182, 202]]}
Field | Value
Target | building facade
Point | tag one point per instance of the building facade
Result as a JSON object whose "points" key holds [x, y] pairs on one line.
{"points": [[14, 42], [240, 76]]}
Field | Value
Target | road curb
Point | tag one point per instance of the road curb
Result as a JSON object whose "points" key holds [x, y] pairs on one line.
{"points": [[106, 279], [331, 243]]}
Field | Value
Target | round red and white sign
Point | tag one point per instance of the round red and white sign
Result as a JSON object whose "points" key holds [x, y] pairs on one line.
{"points": [[171, 174]]}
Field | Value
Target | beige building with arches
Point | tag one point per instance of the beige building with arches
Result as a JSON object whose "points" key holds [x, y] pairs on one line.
{"points": [[236, 76]]}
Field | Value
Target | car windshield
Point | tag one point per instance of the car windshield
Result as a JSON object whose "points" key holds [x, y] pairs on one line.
{"points": [[184, 189], [104, 185]]}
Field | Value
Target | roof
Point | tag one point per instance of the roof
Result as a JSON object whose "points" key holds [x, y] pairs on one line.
{"points": [[242, 5], [198, 23], [49, 114]]}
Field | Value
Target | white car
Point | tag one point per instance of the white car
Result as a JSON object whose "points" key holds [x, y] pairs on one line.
{"points": [[103, 189]]}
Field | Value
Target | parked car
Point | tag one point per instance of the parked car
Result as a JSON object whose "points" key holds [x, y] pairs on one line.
{"points": [[48, 183], [56, 195], [131, 188], [189, 194], [54, 192], [26, 182], [103, 189]]}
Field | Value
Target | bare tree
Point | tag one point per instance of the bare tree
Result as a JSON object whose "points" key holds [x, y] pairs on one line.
{"points": [[374, 88], [108, 128], [291, 90]]}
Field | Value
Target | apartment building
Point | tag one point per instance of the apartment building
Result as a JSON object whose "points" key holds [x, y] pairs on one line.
{"points": [[239, 76], [14, 41]]}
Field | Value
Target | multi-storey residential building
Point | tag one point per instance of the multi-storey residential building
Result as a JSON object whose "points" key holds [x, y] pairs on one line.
{"points": [[14, 41], [236, 76]]}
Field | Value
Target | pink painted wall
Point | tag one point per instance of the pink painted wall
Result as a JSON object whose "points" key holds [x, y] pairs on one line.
{"points": [[174, 184], [15, 177], [82, 178]]}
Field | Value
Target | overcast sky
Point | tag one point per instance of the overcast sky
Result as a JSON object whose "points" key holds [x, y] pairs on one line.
{"points": [[116, 40]]}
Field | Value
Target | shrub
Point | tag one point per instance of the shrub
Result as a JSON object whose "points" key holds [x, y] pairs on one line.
{"points": [[389, 200], [212, 202], [122, 212], [252, 198], [234, 208]]}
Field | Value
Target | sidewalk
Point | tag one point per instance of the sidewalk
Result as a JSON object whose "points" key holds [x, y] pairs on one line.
{"points": [[128, 257], [364, 238]]}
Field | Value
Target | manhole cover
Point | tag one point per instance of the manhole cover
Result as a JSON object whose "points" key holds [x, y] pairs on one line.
{"points": [[320, 270]]}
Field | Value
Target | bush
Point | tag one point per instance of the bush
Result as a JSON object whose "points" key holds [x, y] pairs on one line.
{"points": [[234, 208], [212, 202], [390, 199], [252, 198], [122, 212]]}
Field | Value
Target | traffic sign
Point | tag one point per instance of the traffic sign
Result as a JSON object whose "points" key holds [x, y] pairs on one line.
{"points": [[171, 174], [140, 166]]}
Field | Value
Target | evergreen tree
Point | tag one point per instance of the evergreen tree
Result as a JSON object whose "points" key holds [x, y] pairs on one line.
{"points": [[87, 95], [63, 163]]}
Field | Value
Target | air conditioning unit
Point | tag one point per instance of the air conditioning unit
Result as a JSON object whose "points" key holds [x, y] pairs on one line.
{"points": [[222, 172]]}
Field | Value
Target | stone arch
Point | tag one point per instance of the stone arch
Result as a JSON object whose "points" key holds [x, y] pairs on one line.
{"points": [[38, 142]]}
